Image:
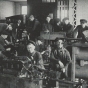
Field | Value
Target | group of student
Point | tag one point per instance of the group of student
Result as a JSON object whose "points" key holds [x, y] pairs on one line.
{"points": [[35, 48], [56, 25], [57, 57], [34, 27], [49, 25]]}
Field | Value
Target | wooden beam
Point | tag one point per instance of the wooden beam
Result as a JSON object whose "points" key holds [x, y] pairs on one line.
{"points": [[73, 65]]}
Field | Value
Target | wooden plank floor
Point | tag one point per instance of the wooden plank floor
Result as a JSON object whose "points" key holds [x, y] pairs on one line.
{"points": [[14, 82]]}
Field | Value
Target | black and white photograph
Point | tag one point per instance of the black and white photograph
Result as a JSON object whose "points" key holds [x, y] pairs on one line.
{"points": [[43, 44]]}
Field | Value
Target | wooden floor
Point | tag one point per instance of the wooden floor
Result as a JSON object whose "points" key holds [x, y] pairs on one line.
{"points": [[14, 82]]}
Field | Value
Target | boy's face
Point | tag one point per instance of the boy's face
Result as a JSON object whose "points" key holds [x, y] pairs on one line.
{"points": [[39, 42], [31, 18], [48, 19], [49, 48], [66, 22], [58, 23], [19, 21], [83, 24], [59, 44], [30, 48]]}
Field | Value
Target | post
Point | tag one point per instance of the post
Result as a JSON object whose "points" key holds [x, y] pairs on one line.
{"points": [[41, 84], [73, 64], [57, 77]]}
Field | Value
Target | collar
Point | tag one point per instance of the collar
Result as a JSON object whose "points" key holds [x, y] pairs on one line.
{"points": [[61, 50], [32, 54]]}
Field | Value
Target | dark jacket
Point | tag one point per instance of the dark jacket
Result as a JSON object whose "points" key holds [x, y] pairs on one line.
{"points": [[34, 28], [20, 29], [80, 30], [40, 48], [69, 30], [57, 28], [47, 26], [61, 55], [36, 59], [2, 41], [12, 33]]}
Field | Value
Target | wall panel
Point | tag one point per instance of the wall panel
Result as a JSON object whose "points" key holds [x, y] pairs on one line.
{"points": [[6, 9]]}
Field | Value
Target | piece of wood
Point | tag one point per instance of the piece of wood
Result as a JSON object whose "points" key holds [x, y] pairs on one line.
{"points": [[73, 65], [53, 35]]}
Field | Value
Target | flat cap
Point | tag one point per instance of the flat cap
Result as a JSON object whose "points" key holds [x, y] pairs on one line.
{"points": [[31, 42], [57, 20], [59, 39], [40, 38], [49, 16], [83, 20], [66, 18], [31, 16]]}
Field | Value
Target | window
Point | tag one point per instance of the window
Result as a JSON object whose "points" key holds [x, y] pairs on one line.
{"points": [[24, 9], [48, 1], [62, 9]]}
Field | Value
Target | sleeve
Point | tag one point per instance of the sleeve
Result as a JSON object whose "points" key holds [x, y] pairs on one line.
{"points": [[40, 61], [36, 25], [75, 34], [53, 57], [44, 27], [68, 57], [2, 56], [71, 29]]}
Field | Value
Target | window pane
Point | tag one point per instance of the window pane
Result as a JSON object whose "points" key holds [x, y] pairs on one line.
{"points": [[62, 9], [24, 9], [48, 1]]}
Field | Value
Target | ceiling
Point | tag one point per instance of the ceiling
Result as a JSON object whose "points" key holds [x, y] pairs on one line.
{"points": [[23, 2], [16, 0]]}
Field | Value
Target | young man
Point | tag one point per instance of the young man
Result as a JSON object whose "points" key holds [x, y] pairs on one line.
{"points": [[35, 59], [68, 28], [34, 28], [20, 27], [12, 33], [60, 56], [40, 44], [47, 25], [57, 25], [34, 55], [78, 32]]}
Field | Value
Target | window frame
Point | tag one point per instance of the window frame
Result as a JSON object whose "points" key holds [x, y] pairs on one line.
{"points": [[22, 10]]}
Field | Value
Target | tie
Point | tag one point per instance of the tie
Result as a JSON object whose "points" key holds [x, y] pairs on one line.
{"points": [[11, 38], [61, 52]]}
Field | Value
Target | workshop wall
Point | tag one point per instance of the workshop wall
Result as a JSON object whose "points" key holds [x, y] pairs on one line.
{"points": [[8, 8], [82, 12]]}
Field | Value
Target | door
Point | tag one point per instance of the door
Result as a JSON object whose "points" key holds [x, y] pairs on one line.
{"points": [[49, 8]]}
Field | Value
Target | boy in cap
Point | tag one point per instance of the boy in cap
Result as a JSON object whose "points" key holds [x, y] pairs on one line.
{"points": [[68, 28], [34, 55], [47, 25], [78, 33], [35, 59], [3, 39], [60, 56], [40, 44], [57, 25], [34, 27], [3, 43]]}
